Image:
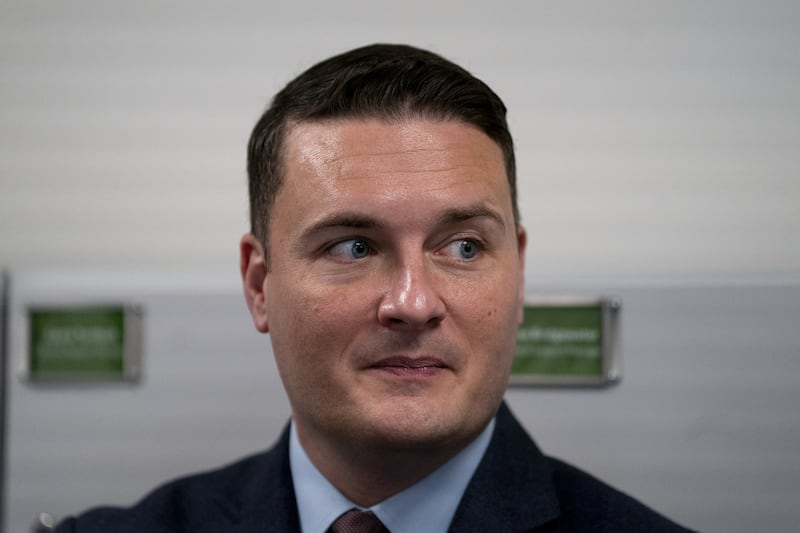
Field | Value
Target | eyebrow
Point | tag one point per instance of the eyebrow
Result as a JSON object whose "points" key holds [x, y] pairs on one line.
{"points": [[360, 221], [466, 213], [342, 220]]}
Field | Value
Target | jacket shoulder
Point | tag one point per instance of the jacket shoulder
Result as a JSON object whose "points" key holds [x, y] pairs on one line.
{"points": [[256, 488], [170, 507], [518, 488], [586, 503]]}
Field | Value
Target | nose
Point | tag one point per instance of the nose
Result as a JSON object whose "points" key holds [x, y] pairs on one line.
{"points": [[412, 301]]}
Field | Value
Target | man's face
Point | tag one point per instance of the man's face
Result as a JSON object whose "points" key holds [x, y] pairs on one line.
{"points": [[395, 283]]}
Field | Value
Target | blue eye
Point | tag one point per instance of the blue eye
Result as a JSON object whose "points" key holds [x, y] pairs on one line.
{"points": [[351, 249], [468, 248], [463, 249]]}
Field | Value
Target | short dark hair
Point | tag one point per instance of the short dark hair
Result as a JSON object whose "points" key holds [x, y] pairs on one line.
{"points": [[383, 81]]}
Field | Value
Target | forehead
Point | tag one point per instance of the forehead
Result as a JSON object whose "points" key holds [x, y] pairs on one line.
{"points": [[371, 148], [406, 177]]}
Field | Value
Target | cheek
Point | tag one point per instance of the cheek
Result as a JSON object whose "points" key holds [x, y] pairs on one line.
{"points": [[311, 326], [490, 319], [489, 302]]}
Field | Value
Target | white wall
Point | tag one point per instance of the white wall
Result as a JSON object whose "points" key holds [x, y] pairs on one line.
{"points": [[657, 140]]}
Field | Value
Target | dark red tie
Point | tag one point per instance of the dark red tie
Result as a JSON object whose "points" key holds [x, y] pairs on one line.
{"points": [[355, 521]]}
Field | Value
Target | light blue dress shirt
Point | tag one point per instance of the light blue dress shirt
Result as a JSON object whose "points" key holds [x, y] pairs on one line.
{"points": [[427, 506]]}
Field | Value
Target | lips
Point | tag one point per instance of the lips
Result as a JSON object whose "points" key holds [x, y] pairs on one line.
{"points": [[410, 366]]}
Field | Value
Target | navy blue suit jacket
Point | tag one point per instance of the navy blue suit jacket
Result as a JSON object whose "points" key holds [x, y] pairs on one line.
{"points": [[514, 489]]}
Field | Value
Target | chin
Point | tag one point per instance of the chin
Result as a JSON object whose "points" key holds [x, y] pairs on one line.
{"points": [[422, 426]]}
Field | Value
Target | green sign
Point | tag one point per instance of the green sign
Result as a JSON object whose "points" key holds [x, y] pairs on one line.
{"points": [[79, 343], [565, 343]]}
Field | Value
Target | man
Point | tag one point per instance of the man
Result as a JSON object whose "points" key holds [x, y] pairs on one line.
{"points": [[386, 262]]}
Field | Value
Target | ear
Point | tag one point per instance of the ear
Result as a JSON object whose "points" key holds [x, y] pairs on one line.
{"points": [[253, 267], [522, 241]]}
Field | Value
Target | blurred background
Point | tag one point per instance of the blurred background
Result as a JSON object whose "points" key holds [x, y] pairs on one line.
{"points": [[657, 147]]}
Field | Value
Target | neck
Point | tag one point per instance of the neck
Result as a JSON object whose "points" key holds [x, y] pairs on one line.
{"points": [[367, 474]]}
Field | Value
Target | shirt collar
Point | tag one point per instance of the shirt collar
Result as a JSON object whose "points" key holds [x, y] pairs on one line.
{"points": [[426, 506]]}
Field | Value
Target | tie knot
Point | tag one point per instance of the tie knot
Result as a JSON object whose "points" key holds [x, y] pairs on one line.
{"points": [[355, 521]]}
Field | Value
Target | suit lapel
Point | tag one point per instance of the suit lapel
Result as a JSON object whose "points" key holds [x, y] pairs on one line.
{"points": [[512, 489], [262, 498]]}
